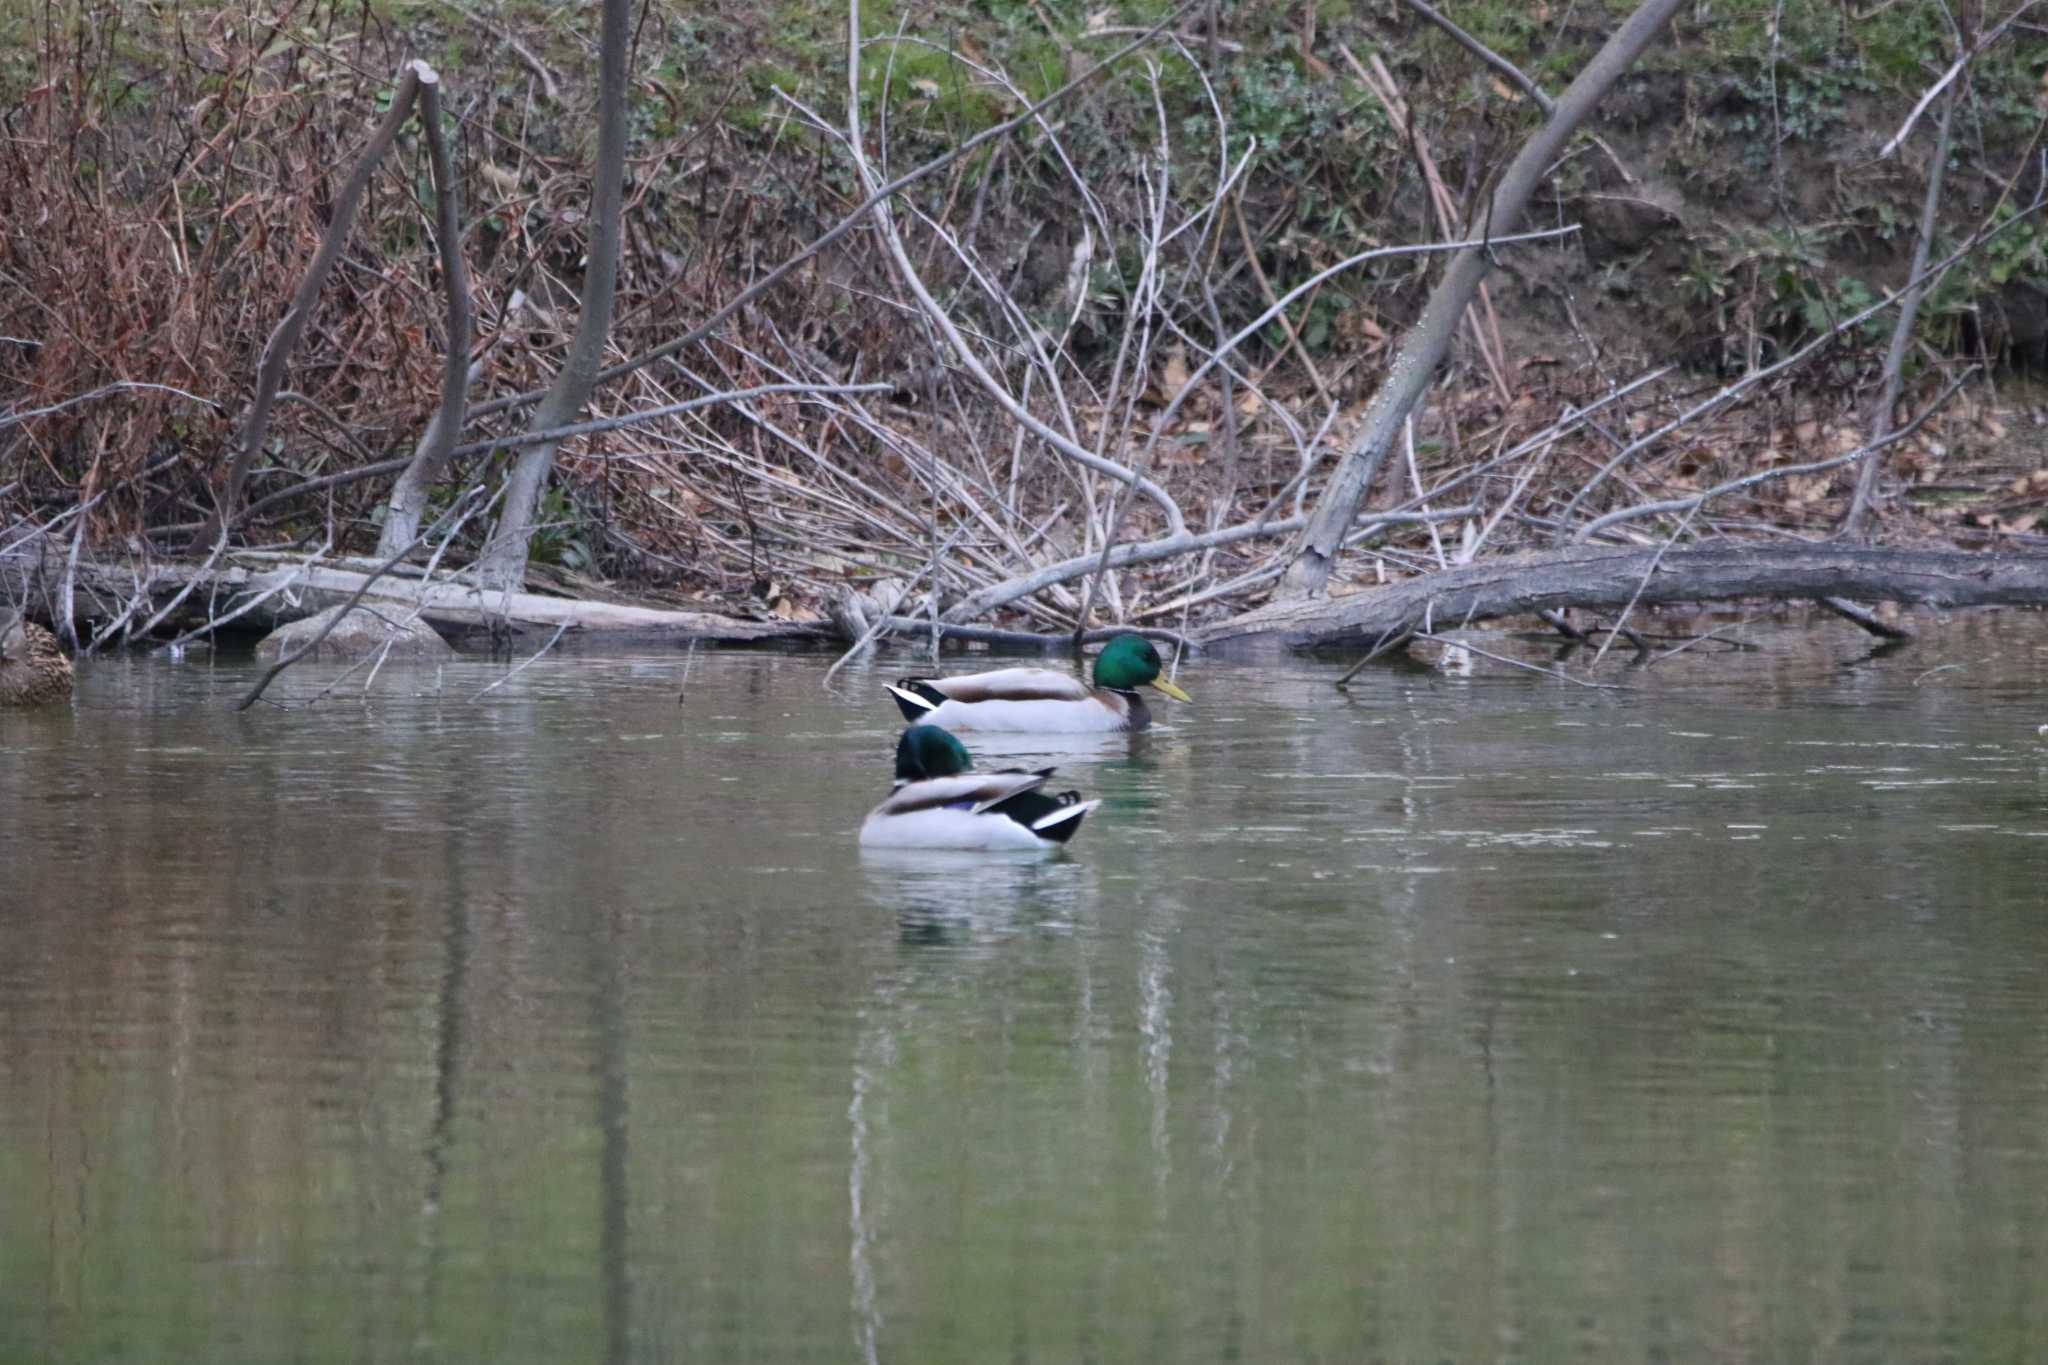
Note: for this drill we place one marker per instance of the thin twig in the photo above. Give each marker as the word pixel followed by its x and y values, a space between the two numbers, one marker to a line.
pixel 277 350
pixel 1487 55
pixel 1697 640
pixel 1864 618
pixel 1955 69
pixel 1649 572
pixel 255 693
pixel 1728 393
pixel 1386 644
pixel 214 623
pixel 220 546
pixel 632 419
pixel 854 218
pixel 522 665
pixel 436 447
pixel 1024 639
pixel 881 623
pixel 1693 501
pixel 14 418
pixel 1557 673
pixel 1902 326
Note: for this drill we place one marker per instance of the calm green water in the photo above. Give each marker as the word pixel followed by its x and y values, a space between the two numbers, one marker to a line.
pixel 1462 1018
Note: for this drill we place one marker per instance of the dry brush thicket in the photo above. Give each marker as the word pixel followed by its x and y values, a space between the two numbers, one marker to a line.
pixel 1074 349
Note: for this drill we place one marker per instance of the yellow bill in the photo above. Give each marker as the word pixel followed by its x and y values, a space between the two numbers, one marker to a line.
pixel 1170 690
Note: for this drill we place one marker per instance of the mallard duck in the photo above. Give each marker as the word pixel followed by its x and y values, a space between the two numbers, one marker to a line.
pixel 1043 699
pixel 32 669
pixel 938 803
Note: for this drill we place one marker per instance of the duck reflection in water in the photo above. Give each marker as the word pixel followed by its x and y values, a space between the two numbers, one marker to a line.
pixel 961 899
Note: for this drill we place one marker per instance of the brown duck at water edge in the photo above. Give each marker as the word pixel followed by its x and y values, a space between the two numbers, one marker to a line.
pixel 32 669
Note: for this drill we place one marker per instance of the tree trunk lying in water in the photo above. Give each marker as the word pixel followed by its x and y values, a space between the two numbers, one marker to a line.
pixel 1613 577
pixel 295 589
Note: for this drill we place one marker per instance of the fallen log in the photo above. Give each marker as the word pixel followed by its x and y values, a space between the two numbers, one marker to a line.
pixel 273 589
pixel 1614 577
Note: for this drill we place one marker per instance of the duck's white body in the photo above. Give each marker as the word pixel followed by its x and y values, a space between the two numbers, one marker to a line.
pixel 954 812
pixel 949 829
pixel 1031 717
pixel 1035 700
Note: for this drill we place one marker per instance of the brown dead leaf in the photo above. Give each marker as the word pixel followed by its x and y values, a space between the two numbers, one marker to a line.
pixel 788 610
pixel 1249 403
pixel 1810 489
pixel 1173 375
pixel 504 181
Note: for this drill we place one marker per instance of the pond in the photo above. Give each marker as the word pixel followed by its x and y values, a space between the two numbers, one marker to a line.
pixel 1465 1015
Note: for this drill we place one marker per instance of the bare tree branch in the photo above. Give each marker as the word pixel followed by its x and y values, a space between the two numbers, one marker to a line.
pixel 1487 55
pixel 1955 69
pixel 1693 501
pixel 523 664
pixel 502 565
pixel 854 218
pixel 1857 523
pixel 1601 576
pixel 458 513
pixel 1415 364
pixel 885 224
pixel 276 351
pixel 1864 619
pixel 1727 394
pixel 9 419
pixel 430 461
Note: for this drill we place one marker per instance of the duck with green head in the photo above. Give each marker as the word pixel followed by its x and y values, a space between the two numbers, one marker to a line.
pixel 32 669
pixel 1043 700
pixel 939 803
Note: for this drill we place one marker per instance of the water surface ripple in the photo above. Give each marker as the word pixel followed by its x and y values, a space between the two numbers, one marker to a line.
pixel 1463 1016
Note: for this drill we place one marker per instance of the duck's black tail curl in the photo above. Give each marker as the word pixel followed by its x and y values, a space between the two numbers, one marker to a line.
pixel 1037 811
pixel 915 698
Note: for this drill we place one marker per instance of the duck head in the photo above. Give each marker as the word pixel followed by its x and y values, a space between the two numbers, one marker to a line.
pixel 927 751
pixel 1128 663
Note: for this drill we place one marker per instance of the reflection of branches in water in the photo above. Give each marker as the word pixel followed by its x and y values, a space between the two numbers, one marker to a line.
pixel 612 1113
pixel 941 899
pixel 447 1071
pixel 1155 1026
pixel 872 1054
